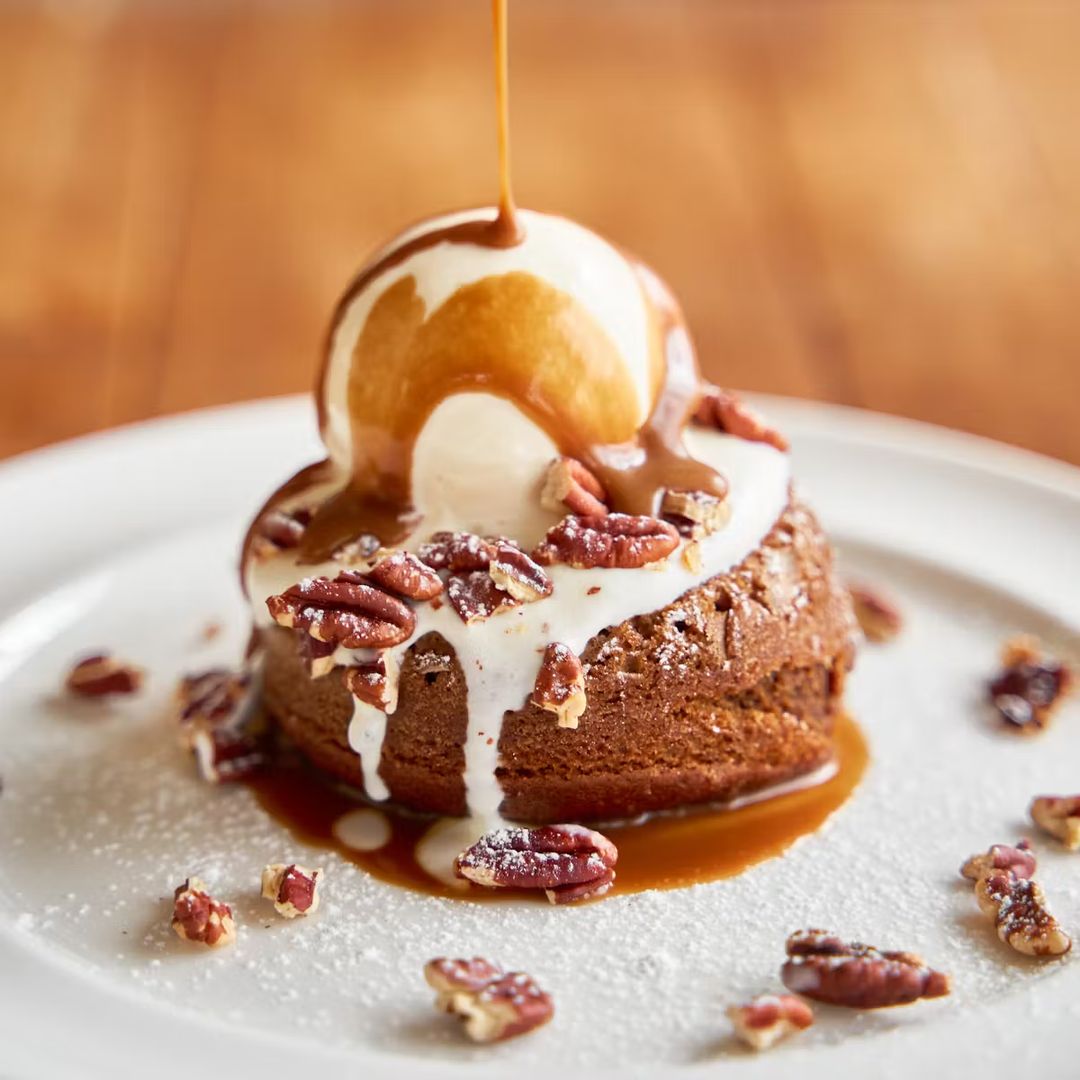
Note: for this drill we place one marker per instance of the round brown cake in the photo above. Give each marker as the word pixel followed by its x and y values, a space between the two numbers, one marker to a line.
pixel 731 689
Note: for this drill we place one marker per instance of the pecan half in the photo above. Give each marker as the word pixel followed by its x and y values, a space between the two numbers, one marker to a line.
pixel 1020 860
pixel 726 411
pixel 514 572
pixel 459 553
pixel 375 681
pixel 617 541
pixel 768 1018
pixel 475 596
pixel 560 685
pixel 345 611
pixel 102 675
pixel 878 617
pixel 695 513
pixel 569 862
pixel 568 485
pixel 198 917
pixel 404 574
pixel 858 976
pixel 492 1005
pixel 1059 815
pixel 1018 908
pixel 293 889
pixel 1028 687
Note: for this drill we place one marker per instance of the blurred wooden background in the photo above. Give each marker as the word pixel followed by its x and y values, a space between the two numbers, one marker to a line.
pixel 875 203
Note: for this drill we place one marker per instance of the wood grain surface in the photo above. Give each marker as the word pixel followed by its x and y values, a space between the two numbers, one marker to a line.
pixel 875 203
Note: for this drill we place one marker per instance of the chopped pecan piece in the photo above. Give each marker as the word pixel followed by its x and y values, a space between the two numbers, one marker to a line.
pixel 858 976
pixel 569 862
pixel 568 485
pixel 404 574
pixel 459 553
pixel 317 656
pixel 768 1018
pixel 1018 908
pixel 493 1006
pixel 726 411
pixel 280 530
pixel 691 557
pixel 345 611
pixel 221 725
pixel 216 697
pixel 560 685
pixel 198 917
pixel 1028 687
pixel 617 541
pixel 1020 860
pixel 475 596
pixel 695 513
pixel 293 889
pixel 223 755
pixel 375 681
pixel 514 572
pixel 1059 815
pixel 878 617
pixel 103 676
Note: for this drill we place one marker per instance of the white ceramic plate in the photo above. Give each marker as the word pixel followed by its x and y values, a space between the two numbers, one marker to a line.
pixel 127 541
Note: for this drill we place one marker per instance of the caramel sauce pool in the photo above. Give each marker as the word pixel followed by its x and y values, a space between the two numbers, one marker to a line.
pixel 668 851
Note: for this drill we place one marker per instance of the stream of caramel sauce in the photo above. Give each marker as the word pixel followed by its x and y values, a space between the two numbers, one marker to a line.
pixel 666 851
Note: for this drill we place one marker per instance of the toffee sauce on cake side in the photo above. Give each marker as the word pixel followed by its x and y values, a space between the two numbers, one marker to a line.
pixel 665 851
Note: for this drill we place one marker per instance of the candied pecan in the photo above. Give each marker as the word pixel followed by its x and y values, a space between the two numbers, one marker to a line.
pixel 1018 908
pixel 768 1018
pixel 617 541
pixel 375 681
pixel 1020 860
pixel 221 724
pixel 726 411
pixel 560 685
pixel 214 697
pixel 858 976
pixel 103 676
pixel 878 617
pixel 695 513
pixel 460 553
pixel 293 889
pixel 1028 687
pixel 1059 815
pixel 493 1006
pixel 475 596
pixel 280 530
pixel 317 656
pixel 569 862
pixel 404 574
pixel 568 485
pixel 223 755
pixel 198 917
pixel 514 572
pixel 345 611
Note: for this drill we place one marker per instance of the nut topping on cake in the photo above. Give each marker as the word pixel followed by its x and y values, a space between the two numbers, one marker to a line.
pixel 560 685
pixel 317 656
pixel 764 1021
pixel 492 1005
pixel 1018 908
pixel 346 611
pixel 569 862
pixel 103 676
pixel 280 530
pixel 568 485
pixel 459 553
pixel 514 572
pixel 198 917
pixel 727 412
pixel 293 889
pixel 404 574
pixel 695 513
pixel 878 617
pixel 375 681
pixel 616 541
pixel 475 596
pixel 1019 860
pixel 1059 815
pixel 1029 687
pixel 858 976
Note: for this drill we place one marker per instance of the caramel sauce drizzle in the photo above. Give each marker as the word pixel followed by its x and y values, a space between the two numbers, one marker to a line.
pixel 514 336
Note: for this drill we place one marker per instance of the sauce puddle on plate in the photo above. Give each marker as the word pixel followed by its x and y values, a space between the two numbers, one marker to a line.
pixel 666 851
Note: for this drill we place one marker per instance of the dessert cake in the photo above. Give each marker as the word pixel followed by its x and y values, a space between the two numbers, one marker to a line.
pixel 545 572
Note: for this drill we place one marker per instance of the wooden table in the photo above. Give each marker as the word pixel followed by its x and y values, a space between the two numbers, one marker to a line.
pixel 875 203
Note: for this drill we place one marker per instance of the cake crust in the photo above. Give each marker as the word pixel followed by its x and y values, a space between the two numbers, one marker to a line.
pixel 732 688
